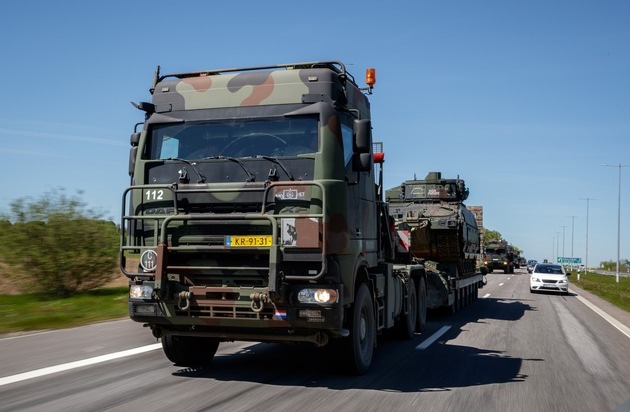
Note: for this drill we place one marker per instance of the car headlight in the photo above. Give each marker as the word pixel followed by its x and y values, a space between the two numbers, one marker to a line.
pixel 317 296
pixel 140 292
pixel 535 279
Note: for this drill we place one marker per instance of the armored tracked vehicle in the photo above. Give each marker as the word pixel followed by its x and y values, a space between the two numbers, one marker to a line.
pixel 438 228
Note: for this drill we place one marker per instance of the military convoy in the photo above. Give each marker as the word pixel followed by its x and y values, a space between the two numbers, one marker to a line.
pixel 499 254
pixel 256 211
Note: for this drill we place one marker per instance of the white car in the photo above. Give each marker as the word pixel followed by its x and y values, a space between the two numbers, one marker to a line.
pixel 549 277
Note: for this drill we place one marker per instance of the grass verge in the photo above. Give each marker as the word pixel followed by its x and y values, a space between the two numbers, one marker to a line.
pixel 35 312
pixel 20 313
pixel 606 287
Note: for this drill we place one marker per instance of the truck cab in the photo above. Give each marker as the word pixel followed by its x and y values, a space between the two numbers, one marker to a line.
pixel 253 213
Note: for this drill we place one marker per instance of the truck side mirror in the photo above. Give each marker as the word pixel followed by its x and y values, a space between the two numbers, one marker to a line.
pixel 362 162
pixel 362 145
pixel 132 159
pixel 134 140
pixel 363 135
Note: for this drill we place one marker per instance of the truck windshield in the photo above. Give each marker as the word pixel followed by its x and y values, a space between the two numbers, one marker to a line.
pixel 195 140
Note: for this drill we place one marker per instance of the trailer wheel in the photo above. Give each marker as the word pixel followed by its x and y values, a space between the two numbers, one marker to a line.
pixel 189 350
pixel 407 322
pixel 421 320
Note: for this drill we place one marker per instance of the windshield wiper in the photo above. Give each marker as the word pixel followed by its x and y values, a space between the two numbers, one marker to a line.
pixel 250 177
pixel 183 174
pixel 279 163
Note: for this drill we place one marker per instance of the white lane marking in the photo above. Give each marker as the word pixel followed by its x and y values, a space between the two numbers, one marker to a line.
pixel 433 338
pixel 486 295
pixel 78 364
pixel 621 327
pixel 501 284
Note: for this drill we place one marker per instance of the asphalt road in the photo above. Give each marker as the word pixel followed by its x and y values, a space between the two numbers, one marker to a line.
pixel 509 351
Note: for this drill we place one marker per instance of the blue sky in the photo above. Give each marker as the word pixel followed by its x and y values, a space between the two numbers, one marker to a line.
pixel 524 100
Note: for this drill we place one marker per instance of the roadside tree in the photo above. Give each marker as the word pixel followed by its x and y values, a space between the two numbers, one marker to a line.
pixel 55 245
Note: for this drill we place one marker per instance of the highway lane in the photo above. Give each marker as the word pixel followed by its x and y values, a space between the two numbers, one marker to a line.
pixel 510 350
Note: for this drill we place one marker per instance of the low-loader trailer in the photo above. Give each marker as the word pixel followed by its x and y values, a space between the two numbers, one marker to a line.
pixel 256 213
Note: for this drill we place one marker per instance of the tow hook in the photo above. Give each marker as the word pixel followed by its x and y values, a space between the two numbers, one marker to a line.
pixel 181 296
pixel 258 301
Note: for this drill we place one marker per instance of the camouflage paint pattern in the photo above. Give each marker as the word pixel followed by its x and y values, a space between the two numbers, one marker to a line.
pixel 323 235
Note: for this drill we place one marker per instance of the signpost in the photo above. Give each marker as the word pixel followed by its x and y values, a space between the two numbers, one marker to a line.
pixel 569 260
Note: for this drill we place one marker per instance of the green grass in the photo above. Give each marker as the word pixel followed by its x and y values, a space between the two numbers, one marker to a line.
pixel 606 287
pixel 35 312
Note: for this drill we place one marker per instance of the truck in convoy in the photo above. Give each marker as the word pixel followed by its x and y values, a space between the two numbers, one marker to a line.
pixel 499 254
pixel 438 231
pixel 256 213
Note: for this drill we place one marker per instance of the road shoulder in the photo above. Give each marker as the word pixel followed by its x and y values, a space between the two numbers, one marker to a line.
pixel 616 312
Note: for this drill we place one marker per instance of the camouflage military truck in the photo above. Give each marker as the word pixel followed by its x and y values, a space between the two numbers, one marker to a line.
pixel 499 255
pixel 442 234
pixel 256 213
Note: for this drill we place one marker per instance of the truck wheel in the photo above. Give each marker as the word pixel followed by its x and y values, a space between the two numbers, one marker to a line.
pixel 421 320
pixel 189 350
pixel 353 354
pixel 356 351
pixel 407 322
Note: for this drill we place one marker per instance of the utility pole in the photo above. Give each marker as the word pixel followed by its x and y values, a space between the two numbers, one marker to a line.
pixel 572 226
pixel 619 165
pixel 588 199
pixel 563 227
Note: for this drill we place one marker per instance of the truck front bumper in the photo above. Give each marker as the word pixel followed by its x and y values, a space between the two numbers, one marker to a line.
pixel 239 319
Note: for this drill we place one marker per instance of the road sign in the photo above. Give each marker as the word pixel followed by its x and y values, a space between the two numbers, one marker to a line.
pixel 569 260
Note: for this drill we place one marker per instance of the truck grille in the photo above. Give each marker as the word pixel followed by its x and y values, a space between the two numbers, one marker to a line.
pixel 227 312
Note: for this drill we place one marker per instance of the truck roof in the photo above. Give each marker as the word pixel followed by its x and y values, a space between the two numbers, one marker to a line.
pixel 295 83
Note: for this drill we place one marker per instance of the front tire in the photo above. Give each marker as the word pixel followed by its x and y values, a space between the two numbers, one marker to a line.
pixel 354 353
pixel 189 350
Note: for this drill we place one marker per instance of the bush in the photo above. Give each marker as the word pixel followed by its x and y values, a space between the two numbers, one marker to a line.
pixel 57 246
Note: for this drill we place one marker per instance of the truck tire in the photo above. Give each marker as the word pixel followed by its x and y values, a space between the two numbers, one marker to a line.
pixel 406 326
pixel 421 319
pixel 354 353
pixel 189 350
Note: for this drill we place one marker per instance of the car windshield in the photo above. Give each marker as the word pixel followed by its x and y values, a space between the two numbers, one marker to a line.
pixel 551 269
pixel 275 137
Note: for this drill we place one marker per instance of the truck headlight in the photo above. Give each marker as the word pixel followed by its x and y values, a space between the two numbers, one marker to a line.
pixel 140 292
pixel 317 296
